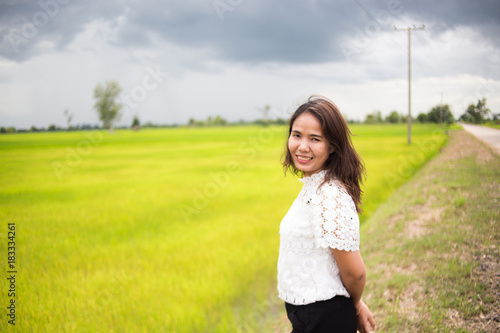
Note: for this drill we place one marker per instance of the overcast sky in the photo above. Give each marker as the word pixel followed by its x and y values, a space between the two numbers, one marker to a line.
pixel 179 59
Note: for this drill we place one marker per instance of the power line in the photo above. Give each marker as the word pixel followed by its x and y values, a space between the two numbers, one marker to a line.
pixel 409 29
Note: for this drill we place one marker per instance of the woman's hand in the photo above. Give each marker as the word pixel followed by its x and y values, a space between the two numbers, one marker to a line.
pixel 365 319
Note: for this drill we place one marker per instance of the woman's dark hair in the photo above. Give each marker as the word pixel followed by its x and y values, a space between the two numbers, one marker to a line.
pixel 344 163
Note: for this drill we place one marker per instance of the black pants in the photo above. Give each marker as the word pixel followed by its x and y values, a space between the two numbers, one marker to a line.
pixel 336 315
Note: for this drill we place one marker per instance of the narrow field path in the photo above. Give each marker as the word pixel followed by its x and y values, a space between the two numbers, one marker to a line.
pixel 490 136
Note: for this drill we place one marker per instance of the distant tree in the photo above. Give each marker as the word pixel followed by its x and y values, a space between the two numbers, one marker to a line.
pixel 370 119
pixel 10 130
pixel 422 118
pixel 404 118
pixel 68 116
pixel 476 113
pixel 393 117
pixel 441 113
pixel 52 128
pixel 219 121
pixel 136 123
pixel 33 129
pixel 373 118
pixel 210 121
pixel 265 114
pixel 106 104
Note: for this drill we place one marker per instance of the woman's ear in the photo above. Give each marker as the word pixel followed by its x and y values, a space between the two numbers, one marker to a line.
pixel 331 150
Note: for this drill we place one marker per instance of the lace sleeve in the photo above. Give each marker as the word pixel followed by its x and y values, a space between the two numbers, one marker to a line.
pixel 335 219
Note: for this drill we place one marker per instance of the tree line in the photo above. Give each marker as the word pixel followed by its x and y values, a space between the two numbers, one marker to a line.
pixel 108 108
pixel 440 114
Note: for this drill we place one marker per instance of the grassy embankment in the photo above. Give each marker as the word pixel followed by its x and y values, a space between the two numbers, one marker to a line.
pixel 162 230
pixel 432 250
pixel 492 124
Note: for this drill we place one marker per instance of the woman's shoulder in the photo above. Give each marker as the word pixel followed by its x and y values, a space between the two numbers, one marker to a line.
pixel 335 190
pixel 333 186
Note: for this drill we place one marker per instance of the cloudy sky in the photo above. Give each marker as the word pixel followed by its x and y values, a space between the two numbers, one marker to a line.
pixel 179 59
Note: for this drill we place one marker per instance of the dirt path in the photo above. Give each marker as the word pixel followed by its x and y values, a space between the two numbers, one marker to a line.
pixel 490 136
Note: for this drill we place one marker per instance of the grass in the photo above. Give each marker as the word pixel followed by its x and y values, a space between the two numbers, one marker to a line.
pixel 432 249
pixel 163 230
pixel 492 124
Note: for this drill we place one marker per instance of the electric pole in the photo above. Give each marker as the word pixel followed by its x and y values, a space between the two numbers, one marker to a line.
pixel 441 110
pixel 409 29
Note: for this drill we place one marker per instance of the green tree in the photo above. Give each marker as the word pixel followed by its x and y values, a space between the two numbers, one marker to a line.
pixel 476 113
pixel 210 121
pixel 136 123
pixel 219 121
pixel 52 128
pixel 441 113
pixel 393 117
pixel 373 118
pixel 422 118
pixel 106 103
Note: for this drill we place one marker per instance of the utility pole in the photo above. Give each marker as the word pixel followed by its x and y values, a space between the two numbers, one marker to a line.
pixel 441 110
pixel 409 29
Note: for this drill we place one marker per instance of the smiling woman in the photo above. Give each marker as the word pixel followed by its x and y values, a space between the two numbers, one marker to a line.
pixel 321 275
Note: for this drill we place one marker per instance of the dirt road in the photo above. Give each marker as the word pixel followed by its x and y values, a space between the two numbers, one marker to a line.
pixel 490 136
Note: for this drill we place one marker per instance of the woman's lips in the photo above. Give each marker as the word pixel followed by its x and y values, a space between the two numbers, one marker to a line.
pixel 304 159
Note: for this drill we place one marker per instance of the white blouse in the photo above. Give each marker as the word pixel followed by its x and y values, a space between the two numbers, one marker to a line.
pixel 319 219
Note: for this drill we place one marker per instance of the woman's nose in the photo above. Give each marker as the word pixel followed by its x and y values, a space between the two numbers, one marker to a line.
pixel 303 146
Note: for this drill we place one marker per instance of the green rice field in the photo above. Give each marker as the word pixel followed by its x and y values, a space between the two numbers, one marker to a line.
pixel 162 230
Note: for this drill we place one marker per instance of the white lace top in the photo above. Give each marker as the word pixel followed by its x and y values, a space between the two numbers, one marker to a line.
pixel 319 219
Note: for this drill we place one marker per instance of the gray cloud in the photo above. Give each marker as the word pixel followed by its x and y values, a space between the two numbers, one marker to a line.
pixel 25 25
pixel 295 31
pixel 254 53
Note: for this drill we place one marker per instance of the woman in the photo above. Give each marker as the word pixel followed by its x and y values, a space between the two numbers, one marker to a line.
pixel 321 274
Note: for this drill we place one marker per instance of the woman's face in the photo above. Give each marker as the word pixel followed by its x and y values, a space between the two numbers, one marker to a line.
pixel 307 145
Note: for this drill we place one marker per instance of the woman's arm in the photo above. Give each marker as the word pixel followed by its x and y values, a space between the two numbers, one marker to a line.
pixel 352 272
pixel 353 275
